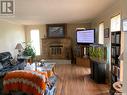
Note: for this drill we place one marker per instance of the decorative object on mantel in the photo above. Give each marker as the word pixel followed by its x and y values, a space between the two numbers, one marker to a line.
pixel 56 30
pixel 80 28
pixel 19 48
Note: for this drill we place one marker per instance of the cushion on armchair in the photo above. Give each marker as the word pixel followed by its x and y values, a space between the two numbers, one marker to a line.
pixel 5 56
pixel 5 59
pixel 7 63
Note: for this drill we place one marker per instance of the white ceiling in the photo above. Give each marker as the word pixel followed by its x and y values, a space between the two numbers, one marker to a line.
pixel 57 11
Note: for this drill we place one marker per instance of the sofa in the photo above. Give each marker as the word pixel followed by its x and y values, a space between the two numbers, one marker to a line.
pixel 28 82
pixel 7 63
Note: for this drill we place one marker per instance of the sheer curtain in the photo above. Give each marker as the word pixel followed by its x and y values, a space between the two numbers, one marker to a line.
pixel 35 38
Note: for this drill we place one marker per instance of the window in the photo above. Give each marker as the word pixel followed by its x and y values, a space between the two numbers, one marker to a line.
pixel 101 33
pixel 35 40
pixel 115 23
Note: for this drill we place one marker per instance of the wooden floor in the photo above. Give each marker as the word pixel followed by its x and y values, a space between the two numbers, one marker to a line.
pixel 75 80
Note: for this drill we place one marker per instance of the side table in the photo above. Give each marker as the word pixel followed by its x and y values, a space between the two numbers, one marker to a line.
pixel 27 59
pixel 118 87
pixel 46 67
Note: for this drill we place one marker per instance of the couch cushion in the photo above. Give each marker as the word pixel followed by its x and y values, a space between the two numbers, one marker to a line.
pixel 5 56
pixel 6 63
pixel 5 59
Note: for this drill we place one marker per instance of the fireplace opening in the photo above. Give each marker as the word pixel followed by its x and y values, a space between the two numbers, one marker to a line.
pixel 56 49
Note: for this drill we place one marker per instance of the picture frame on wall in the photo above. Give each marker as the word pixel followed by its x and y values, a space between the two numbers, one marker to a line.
pixel 56 30
pixel 106 33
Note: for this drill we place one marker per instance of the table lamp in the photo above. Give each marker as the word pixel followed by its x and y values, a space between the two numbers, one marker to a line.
pixel 19 48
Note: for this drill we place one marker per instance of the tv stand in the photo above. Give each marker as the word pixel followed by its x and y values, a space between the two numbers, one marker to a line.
pixel 82 50
pixel 83 61
pixel 82 57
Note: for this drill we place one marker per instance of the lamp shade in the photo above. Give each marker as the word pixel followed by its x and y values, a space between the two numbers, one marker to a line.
pixel 19 46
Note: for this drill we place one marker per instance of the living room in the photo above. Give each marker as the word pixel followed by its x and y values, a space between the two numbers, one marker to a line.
pixel 75 16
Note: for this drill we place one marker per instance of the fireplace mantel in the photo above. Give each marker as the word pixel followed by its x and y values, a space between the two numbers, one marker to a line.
pixel 56 48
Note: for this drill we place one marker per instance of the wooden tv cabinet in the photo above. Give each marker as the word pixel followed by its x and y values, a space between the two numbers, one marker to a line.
pixel 83 61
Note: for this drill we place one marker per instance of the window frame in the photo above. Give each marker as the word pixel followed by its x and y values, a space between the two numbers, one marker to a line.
pixel 99 32
pixel 38 41
pixel 120 22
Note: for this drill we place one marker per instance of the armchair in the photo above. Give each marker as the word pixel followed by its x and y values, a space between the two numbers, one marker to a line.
pixel 7 63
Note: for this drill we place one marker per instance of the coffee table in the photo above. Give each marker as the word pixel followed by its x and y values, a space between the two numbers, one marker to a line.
pixel 46 67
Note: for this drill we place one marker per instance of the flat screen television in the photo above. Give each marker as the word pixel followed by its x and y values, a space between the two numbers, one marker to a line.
pixel 85 36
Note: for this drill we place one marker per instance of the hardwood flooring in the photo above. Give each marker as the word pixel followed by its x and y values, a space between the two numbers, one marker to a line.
pixel 75 80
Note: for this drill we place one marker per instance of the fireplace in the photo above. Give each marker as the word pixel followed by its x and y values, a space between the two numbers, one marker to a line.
pixel 56 50
pixel 59 48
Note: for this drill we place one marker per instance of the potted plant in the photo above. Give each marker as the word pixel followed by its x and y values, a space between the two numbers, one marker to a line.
pixel 29 50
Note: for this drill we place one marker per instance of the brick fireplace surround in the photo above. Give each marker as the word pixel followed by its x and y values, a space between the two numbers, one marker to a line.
pixel 56 48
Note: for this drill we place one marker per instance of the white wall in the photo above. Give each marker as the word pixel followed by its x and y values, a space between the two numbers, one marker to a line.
pixel 10 35
pixel 124 16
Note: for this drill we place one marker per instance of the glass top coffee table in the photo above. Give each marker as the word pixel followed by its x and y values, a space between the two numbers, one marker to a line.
pixel 46 67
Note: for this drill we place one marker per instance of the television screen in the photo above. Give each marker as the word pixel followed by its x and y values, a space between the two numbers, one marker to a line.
pixel 85 36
